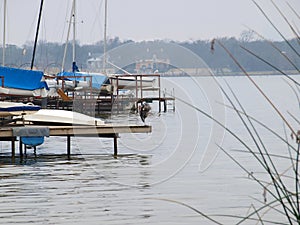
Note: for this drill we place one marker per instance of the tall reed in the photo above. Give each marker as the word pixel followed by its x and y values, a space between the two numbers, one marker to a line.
pixel 285 197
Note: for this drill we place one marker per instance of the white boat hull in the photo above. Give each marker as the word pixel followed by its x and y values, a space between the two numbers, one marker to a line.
pixel 55 116
pixel 132 83
pixel 68 85
pixel 17 109
pixel 20 92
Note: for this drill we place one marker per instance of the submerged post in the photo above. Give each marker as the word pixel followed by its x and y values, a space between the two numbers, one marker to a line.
pixel 165 105
pixel 69 146
pixel 21 148
pixel 115 145
pixel 13 147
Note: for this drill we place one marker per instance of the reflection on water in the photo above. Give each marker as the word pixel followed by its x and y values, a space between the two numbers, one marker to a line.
pixel 96 188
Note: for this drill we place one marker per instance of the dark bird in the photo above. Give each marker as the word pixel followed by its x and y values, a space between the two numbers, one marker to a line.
pixel 144 111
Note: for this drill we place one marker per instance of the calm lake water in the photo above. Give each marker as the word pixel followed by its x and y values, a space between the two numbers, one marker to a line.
pixel 180 161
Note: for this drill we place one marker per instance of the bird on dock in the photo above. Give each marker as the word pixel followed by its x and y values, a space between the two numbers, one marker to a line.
pixel 144 111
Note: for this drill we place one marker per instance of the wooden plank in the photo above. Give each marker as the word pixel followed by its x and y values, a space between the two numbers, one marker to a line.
pixel 80 130
pixel 63 95
pixel 155 99
pixel 86 130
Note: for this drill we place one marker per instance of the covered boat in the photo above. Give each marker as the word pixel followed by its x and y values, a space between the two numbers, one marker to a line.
pixel 82 79
pixel 76 81
pixel 16 109
pixel 22 82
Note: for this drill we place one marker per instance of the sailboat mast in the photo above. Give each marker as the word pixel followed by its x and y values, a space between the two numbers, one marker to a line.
pixel 105 36
pixel 37 34
pixel 67 41
pixel 4 33
pixel 74 29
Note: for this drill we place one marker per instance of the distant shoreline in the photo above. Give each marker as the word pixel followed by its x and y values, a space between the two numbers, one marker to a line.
pixel 236 74
pixel 259 73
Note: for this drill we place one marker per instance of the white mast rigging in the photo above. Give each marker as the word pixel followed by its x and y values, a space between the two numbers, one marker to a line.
pixel 4 33
pixel 71 21
pixel 105 37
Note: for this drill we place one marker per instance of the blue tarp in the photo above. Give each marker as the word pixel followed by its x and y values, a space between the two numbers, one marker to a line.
pixel 97 79
pixel 22 79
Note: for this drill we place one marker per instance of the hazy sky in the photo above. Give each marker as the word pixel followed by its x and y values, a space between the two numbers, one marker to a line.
pixel 145 19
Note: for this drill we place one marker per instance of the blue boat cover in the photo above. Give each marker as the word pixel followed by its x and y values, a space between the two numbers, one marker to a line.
pixel 97 79
pixel 20 108
pixel 22 79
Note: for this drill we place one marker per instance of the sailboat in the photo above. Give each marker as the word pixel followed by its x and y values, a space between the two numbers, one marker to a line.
pixel 126 81
pixel 74 80
pixel 18 82
pixel 21 82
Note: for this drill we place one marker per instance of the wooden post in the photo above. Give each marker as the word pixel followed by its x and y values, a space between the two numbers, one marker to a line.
pixel 141 83
pixel 13 147
pixel 159 95
pixel 117 95
pixel 116 145
pixel 21 148
pixel 159 105
pixel 165 105
pixel 69 146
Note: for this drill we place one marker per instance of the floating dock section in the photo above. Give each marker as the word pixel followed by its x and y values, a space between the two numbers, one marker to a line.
pixel 12 133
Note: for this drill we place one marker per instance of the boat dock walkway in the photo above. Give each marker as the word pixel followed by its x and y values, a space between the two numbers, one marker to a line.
pixel 104 131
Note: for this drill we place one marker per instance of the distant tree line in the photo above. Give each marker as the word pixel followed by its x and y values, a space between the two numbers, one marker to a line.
pixel 264 56
pixel 274 53
pixel 50 54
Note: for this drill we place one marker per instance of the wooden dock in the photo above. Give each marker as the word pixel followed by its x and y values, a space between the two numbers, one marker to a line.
pixel 163 100
pixel 104 131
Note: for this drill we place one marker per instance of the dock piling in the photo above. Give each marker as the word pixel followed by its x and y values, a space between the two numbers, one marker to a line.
pixel 116 145
pixel 21 148
pixel 69 146
pixel 13 147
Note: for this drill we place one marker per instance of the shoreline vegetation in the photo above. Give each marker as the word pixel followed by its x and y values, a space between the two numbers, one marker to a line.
pixel 234 74
pixel 49 55
pixel 259 73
